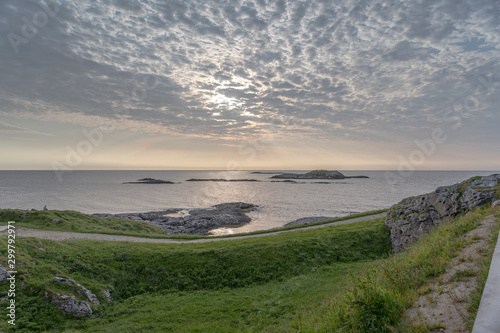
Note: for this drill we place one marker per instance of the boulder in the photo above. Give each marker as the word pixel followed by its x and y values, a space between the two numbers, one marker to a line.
pixel 68 304
pixel 496 204
pixel 82 290
pixel 415 216
pixel 4 274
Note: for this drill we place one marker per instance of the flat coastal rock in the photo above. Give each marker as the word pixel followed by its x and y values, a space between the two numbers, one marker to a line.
pixel 196 221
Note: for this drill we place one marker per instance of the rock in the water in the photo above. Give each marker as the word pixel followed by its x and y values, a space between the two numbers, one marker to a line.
pixel 221 180
pixel 68 304
pixel 288 181
pixel 150 181
pixel 415 216
pixel 316 174
pixel 4 274
pixel 306 220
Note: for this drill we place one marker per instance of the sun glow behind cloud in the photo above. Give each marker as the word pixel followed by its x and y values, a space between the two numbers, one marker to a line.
pixel 236 73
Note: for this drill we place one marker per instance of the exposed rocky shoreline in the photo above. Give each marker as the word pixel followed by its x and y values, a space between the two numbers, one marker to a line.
pixel 195 221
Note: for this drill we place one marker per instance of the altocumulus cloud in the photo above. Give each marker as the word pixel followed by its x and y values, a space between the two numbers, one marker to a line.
pixel 233 68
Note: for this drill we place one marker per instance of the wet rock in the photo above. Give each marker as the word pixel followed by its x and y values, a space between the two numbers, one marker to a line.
pixel 415 216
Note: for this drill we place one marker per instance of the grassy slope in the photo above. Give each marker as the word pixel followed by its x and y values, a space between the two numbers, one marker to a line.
pixel 283 283
pixel 202 271
pixel 77 222
pixel 376 301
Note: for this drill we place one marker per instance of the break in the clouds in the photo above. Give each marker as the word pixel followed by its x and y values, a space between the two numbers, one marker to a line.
pixel 380 73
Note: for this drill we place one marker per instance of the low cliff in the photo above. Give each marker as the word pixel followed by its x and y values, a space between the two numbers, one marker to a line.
pixel 415 216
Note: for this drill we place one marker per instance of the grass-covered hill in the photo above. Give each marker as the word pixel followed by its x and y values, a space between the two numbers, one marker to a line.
pixel 333 279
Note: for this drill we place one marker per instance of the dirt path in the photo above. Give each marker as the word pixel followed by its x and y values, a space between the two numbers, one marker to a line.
pixel 62 236
pixel 445 307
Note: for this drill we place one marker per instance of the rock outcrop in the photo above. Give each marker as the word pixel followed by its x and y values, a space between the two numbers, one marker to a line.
pixel 415 216
pixel 4 274
pixel 68 304
pixel 82 291
pixel 316 174
pixel 196 221
pixel 150 181
pixel 306 220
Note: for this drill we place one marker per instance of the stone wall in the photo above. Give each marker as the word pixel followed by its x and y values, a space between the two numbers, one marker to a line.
pixel 415 216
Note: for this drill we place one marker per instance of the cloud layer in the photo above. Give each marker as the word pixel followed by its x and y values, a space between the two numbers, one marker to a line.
pixel 240 70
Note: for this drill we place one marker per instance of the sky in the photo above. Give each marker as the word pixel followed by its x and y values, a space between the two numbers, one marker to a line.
pixel 259 84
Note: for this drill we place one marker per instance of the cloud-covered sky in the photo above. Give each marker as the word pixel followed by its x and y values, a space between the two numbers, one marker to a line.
pixel 284 84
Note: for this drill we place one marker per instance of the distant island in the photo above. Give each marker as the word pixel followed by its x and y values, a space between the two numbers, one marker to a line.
pixel 150 181
pixel 316 174
pixel 222 180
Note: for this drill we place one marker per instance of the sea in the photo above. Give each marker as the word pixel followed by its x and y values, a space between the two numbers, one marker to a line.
pixel 278 203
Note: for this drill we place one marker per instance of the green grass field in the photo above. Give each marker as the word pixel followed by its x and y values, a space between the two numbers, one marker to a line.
pixel 333 279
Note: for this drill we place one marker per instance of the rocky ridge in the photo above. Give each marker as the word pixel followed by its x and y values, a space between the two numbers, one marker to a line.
pixel 413 217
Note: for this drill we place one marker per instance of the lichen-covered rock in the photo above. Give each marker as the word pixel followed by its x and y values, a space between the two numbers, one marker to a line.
pixel 415 216
pixel 68 304
pixel 82 290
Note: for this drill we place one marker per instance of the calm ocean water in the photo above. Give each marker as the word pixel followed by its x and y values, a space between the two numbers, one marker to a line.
pixel 103 192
